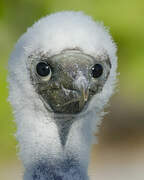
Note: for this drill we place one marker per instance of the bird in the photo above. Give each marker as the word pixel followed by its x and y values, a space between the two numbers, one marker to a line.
pixel 62 73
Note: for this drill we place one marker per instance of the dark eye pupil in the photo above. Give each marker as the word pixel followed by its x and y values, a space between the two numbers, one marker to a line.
pixel 43 69
pixel 97 70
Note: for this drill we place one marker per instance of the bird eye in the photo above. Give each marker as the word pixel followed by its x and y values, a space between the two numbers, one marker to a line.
pixel 97 70
pixel 43 69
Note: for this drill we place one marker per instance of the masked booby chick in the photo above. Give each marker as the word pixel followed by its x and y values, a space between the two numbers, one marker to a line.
pixel 61 74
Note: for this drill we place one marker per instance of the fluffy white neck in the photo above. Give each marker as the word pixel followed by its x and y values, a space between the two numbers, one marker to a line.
pixel 40 142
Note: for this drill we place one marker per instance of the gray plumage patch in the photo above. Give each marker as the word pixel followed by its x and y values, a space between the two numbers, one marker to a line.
pixel 64 125
pixel 68 169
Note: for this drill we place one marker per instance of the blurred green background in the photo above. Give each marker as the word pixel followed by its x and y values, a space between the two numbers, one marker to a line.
pixel 125 19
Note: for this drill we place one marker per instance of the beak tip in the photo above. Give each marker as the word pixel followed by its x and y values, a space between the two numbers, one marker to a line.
pixel 85 94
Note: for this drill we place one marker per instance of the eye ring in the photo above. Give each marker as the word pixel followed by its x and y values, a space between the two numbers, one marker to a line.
pixel 97 70
pixel 43 69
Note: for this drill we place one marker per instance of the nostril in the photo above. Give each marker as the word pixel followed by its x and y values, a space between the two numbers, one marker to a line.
pixel 69 90
pixel 69 87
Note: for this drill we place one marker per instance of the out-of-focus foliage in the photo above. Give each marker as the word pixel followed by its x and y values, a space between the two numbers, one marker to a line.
pixel 126 22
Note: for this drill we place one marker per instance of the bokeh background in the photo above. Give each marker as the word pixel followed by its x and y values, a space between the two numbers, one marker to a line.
pixel 120 152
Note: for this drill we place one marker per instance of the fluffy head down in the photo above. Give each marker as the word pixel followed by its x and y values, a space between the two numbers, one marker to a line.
pixel 37 132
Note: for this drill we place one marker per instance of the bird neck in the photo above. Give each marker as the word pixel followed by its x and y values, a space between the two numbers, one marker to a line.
pixel 55 150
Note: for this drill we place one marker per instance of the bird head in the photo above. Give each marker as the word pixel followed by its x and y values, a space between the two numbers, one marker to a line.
pixel 66 82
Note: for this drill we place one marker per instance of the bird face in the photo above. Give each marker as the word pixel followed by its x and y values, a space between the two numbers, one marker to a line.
pixel 66 82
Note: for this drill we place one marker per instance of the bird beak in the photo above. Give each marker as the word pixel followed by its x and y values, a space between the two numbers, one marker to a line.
pixel 84 97
pixel 85 94
pixel 82 84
